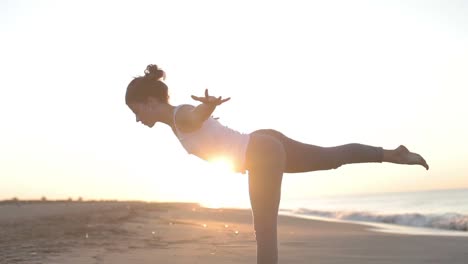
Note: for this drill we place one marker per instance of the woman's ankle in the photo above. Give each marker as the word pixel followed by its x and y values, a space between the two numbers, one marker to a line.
pixel 389 155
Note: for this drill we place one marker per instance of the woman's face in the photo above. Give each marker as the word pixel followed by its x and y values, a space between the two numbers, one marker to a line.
pixel 146 113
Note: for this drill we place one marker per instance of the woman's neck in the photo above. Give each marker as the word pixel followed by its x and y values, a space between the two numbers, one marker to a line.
pixel 167 115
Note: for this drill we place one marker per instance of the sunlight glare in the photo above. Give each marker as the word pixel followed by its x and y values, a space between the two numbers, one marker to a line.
pixel 225 189
pixel 222 164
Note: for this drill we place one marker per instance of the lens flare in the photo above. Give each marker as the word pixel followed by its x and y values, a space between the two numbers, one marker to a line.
pixel 222 164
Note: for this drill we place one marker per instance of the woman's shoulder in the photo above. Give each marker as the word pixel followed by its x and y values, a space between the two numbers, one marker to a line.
pixel 183 118
pixel 184 106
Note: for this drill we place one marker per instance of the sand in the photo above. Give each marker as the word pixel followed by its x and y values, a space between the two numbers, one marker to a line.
pixel 136 232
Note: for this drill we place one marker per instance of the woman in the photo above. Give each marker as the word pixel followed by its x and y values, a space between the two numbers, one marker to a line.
pixel 266 154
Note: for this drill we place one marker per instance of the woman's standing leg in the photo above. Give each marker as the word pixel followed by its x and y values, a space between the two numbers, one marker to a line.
pixel 265 161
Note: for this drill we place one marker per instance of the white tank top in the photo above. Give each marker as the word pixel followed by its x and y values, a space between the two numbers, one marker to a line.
pixel 214 140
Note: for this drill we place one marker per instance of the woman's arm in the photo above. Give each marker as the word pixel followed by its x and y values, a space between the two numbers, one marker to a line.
pixel 194 118
pixel 202 112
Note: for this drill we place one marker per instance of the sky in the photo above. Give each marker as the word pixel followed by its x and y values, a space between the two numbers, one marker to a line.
pixel 327 73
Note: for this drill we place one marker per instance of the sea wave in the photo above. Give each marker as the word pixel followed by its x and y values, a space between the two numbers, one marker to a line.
pixel 446 221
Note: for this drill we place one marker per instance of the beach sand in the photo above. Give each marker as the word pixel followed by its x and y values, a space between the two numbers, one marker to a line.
pixel 137 232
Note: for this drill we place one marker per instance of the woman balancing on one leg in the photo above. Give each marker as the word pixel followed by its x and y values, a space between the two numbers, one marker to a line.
pixel 266 154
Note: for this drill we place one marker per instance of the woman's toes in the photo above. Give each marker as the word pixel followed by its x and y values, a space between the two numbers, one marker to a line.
pixel 424 163
pixel 417 159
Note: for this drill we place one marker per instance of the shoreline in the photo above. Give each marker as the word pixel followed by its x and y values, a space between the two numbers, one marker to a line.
pixel 141 232
pixel 387 227
pixel 59 207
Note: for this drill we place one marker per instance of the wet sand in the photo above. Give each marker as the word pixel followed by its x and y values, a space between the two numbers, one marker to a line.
pixel 136 232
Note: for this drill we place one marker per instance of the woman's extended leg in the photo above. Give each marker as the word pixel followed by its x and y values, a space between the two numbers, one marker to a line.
pixel 265 160
pixel 301 157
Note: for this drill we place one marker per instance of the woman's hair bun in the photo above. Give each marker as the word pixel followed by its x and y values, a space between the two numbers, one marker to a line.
pixel 154 73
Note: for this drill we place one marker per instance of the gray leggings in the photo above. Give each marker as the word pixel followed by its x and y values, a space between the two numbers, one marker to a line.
pixel 269 155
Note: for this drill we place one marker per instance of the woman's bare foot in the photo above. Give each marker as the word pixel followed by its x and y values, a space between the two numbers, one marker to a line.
pixel 402 155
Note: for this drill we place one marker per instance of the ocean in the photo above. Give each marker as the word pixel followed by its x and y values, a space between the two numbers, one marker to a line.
pixel 437 212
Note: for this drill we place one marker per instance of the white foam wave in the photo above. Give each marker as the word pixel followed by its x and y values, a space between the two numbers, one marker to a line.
pixel 447 221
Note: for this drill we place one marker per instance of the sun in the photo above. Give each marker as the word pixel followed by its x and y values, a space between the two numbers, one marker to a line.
pixel 223 186
pixel 213 184
pixel 222 164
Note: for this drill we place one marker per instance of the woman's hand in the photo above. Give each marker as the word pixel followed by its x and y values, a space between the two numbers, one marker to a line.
pixel 210 100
